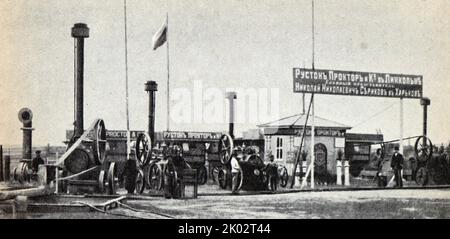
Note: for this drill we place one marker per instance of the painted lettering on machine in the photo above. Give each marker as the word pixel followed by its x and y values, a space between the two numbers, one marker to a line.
pixel 355 83
pixel 167 135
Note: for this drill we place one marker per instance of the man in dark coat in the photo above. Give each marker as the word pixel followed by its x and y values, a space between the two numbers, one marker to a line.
pixel 272 170
pixel 397 165
pixel 37 161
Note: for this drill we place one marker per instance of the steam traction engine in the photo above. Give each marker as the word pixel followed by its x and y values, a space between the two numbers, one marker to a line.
pixel 83 167
pixel 167 160
pixel 254 174
pixel 165 166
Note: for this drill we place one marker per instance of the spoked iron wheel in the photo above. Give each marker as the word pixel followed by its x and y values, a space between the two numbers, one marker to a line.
pixel 284 176
pixel 140 182
pixel 102 181
pixel 422 176
pixel 171 186
pixel 99 146
pixel 112 179
pixel 143 149
pixel 222 177
pixel 215 173
pixel 202 175
pixel 226 147
pixel 423 148
pixel 155 177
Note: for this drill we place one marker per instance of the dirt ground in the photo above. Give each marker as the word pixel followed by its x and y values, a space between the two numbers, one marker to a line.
pixel 430 203
pixel 389 203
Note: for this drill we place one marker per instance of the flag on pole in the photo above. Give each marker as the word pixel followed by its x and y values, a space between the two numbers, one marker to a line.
pixel 160 36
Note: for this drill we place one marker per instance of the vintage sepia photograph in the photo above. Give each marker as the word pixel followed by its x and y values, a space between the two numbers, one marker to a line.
pixel 237 109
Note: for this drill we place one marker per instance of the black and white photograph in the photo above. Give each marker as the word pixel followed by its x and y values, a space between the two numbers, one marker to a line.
pixel 236 109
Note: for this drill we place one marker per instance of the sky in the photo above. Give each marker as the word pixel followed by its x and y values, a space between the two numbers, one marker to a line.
pixel 224 44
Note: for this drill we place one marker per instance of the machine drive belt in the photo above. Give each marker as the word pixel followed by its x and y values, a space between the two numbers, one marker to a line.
pixel 77 143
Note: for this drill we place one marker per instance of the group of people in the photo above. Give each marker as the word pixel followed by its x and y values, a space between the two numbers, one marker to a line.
pixel 238 155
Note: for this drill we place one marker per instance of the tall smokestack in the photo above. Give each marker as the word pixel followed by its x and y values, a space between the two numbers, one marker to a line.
pixel 151 87
pixel 231 96
pixel 79 32
pixel 425 102
pixel 26 116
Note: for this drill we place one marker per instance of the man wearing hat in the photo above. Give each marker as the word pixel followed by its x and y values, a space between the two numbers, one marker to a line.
pixel 397 165
pixel 37 161
pixel 235 169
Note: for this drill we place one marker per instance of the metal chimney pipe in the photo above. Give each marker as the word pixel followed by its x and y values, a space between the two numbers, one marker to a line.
pixel 79 32
pixel 26 116
pixel 231 96
pixel 151 87
pixel 425 102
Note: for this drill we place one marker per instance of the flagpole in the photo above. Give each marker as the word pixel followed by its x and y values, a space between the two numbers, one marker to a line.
pixel 126 79
pixel 168 73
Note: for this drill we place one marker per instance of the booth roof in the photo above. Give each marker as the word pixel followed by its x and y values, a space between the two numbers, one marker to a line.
pixel 299 121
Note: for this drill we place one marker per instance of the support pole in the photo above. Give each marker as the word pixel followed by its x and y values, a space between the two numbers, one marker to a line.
pixel 126 79
pixel 312 98
pixel 56 180
pixel 168 73
pixel 312 144
pixel 401 125
pixel 303 102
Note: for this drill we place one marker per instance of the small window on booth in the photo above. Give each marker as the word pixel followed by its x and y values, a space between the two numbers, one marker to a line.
pixel 279 148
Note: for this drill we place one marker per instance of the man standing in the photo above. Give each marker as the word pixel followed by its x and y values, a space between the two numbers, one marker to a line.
pixel 272 169
pixel 235 169
pixel 397 165
pixel 378 162
pixel 37 161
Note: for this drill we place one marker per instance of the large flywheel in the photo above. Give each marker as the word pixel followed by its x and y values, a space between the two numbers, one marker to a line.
pixel 423 149
pixel 143 149
pixel 99 146
pixel 226 147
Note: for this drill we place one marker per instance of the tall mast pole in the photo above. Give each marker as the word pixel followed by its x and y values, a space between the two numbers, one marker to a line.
pixel 126 79
pixel 168 73
pixel 312 103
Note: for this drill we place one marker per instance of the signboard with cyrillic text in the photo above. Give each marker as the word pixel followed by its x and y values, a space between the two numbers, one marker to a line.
pixel 185 135
pixel 355 83
pixel 110 134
